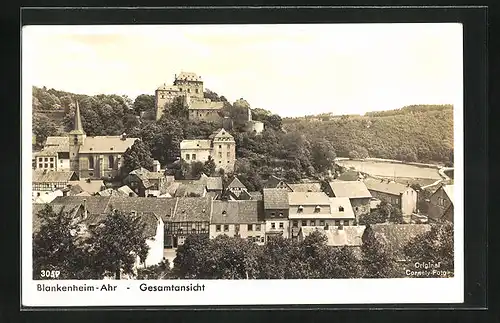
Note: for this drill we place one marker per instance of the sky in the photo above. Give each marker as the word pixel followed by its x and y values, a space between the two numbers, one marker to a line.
pixel 291 70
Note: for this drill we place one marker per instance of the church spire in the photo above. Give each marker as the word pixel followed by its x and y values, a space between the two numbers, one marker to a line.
pixel 77 124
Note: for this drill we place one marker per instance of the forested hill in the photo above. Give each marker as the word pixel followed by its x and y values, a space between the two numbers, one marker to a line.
pixel 413 133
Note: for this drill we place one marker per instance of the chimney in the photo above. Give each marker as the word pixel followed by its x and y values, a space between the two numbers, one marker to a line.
pixel 85 208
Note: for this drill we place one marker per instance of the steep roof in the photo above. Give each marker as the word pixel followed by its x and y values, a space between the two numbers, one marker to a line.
pixel 193 209
pixel 350 189
pixel 94 204
pixel 275 182
pixel 236 183
pixel 42 176
pixel 235 212
pixel 60 143
pixel 275 198
pixel 204 105
pixel 162 207
pixel 338 203
pixel 106 144
pixel 203 144
pixel 186 189
pixel 143 172
pixel 126 191
pixel 308 198
pixel 49 151
pixel 170 88
pixel 348 236
pixel 93 187
pixel 221 135
pixel 306 187
pixel 448 189
pixel 257 196
pixel 213 183
pixel 385 186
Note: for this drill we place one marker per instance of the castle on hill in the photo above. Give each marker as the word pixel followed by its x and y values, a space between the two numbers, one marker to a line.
pixel 189 86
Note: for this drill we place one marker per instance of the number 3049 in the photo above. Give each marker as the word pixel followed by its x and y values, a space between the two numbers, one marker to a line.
pixel 50 273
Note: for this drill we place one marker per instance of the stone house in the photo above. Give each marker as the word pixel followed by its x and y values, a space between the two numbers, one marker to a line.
pixel 276 211
pixel 441 204
pixel 356 191
pixel 399 195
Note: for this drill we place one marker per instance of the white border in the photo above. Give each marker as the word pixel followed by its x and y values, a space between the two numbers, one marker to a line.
pixel 242 292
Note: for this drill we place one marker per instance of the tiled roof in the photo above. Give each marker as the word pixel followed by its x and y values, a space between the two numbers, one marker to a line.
pixel 236 183
pixel 149 218
pixel 188 189
pixel 336 203
pixel 193 209
pixel 348 236
pixel 308 198
pixel 274 182
pixel 95 204
pixel 61 142
pixel 214 183
pixel 398 235
pixel 275 198
pixel 448 189
pixel 203 105
pixel 221 134
pixel 170 88
pixel 123 191
pixel 93 187
pixel 49 151
pixel 195 144
pixel 106 144
pixel 126 191
pixel 143 172
pixel 42 176
pixel 237 212
pixel 162 207
pixel 385 186
pixel 350 189
pixel 306 187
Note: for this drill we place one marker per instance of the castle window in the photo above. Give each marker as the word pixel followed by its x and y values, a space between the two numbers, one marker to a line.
pixel 162 96
pixel 91 162
pixel 40 165
pixel 220 154
pixel 220 146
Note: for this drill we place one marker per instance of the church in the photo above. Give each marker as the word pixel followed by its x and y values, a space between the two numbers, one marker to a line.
pixel 96 157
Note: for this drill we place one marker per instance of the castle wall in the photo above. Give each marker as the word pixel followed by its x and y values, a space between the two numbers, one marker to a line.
pixel 193 88
pixel 224 155
pixel 209 115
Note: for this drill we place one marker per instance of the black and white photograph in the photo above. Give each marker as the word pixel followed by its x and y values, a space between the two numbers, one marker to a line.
pixel 240 164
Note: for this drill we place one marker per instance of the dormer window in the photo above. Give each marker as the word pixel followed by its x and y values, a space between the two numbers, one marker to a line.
pixel 224 212
pixel 317 209
pixel 341 209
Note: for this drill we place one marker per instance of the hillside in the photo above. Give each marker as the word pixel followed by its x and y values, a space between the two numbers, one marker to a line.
pixel 413 133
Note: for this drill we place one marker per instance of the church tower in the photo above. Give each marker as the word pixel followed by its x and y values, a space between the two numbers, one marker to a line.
pixel 76 139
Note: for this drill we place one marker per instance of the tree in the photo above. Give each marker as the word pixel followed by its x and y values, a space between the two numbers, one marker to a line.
pixel 137 156
pixel 435 247
pixel 43 127
pixel 383 213
pixel 209 166
pixel 160 271
pixel 275 259
pixel 323 155
pixel 197 168
pixel 340 262
pixel 177 108
pixel 192 257
pixel 274 121
pixel 376 260
pixel 144 102
pixel 56 246
pixel 117 241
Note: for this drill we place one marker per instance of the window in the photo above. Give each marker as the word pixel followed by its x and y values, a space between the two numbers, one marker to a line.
pixel 341 209
pixel 91 162
pixel 346 222
pixel 111 161
pixel 304 223
pixel 51 165
pixel 273 213
pixel 257 227
pixel 250 227
pixel 313 223
pixel 189 90
pixel 162 96
pixel 228 146
pixel 228 161
pixel 356 208
pixel 317 209
pixel 397 202
pixel 273 225
pixel 196 90
pixel 51 159
pixel 250 239
pixel 91 174
pixel 187 156
pixel 337 222
pixel 220 146
pixel 46 159
pixel 321 222
pixel 40 165
pixel 237 227
pixel 220 162
pixel 300 209
pixel 281 225
pixel 46 165
pixel 281 214
pixel 38 194
pixel 220 154
pixel 295 224
pixel 261 239
pixel 226 227
pixel 228 154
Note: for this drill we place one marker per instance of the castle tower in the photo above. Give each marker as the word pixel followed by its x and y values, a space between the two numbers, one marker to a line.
pixel 76 139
